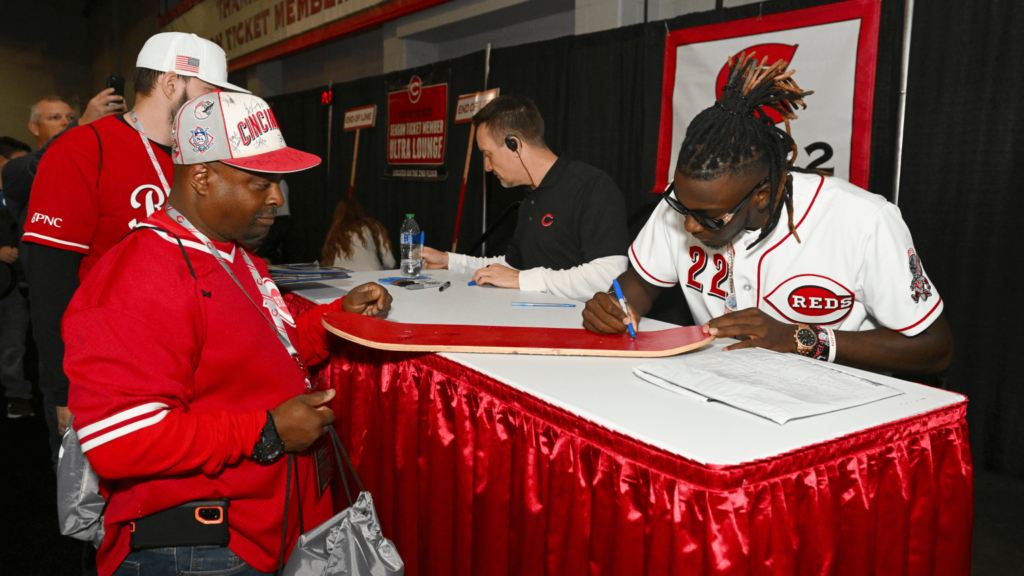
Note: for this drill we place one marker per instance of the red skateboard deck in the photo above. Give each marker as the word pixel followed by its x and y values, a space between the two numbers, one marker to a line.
pixel 386 335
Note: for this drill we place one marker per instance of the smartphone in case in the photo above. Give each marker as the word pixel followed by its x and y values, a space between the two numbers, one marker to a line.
pixel 197 523
pixel 117 83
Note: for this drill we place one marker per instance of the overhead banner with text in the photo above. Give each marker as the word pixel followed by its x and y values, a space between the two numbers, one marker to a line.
pixel 252 31
pixel 833 49
pixel 417 126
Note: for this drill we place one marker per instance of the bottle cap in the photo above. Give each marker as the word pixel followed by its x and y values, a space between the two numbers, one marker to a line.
pixel 408 215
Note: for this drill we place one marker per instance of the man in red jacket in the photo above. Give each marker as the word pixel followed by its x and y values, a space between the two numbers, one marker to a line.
pixel 188 378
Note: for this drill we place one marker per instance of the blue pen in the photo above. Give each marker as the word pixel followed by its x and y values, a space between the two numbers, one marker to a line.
pixel 622 302
pixel 472 283
pixel 423 235
pixel 543 305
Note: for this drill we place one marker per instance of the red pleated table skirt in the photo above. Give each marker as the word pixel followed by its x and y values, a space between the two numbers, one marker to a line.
pixel 472 476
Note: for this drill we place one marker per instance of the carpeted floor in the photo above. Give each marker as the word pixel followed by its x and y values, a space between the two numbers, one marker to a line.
pixel 34 545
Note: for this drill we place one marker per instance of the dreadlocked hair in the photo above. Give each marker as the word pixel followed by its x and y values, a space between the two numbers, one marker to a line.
pixel 736 135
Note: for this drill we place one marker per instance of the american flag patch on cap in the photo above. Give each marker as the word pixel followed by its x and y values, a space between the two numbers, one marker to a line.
pixel 186 64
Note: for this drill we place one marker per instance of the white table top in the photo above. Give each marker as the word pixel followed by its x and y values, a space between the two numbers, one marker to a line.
pixel 605 391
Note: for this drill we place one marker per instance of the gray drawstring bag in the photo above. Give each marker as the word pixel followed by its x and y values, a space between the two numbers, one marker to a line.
pixel 80 505
pixel 350 543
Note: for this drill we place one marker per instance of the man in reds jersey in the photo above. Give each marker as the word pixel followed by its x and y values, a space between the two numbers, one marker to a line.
pixel 840 281
pixel 97 182
pixel 186 367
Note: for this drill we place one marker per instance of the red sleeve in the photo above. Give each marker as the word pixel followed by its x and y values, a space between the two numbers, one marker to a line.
pixel 314 339
pixel 133 336
pixel 63 208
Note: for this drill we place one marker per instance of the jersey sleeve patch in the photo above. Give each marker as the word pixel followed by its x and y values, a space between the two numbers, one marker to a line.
pixel 920 287
pixel 897 291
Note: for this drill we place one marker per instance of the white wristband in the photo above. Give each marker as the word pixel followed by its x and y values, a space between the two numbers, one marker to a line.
pixel 831 345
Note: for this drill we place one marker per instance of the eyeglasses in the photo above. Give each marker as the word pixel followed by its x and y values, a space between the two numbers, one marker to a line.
pixel 707 221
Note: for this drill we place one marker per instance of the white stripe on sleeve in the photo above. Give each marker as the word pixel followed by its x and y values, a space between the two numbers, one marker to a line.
pixel 120 417
pixel 100 440
pixel 65 242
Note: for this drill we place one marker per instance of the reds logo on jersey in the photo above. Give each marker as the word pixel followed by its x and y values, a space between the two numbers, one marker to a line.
pixel 154 201
pixel 811 299
pixel 273 301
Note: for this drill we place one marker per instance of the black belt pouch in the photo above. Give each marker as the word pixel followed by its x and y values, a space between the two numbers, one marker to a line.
pixel 197 523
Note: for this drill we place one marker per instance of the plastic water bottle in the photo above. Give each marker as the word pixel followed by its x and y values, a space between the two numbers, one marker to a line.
pixel 410 247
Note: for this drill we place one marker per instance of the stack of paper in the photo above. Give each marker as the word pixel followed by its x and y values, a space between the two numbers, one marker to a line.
pixel 312 272
pixel 779 387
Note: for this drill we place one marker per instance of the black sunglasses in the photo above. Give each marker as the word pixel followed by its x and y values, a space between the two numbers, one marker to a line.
pixel 707 221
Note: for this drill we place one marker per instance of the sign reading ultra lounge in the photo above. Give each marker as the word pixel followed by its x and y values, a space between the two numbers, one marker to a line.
pixel 251 31
pixel 417 125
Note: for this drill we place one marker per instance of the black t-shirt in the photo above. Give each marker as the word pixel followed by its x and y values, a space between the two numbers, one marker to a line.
pixel 576 215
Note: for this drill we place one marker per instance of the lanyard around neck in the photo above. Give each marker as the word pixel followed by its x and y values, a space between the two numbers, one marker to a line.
pixel 264 285
pixel 152 155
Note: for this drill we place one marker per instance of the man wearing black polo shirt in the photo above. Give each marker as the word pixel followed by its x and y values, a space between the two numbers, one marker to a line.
pixel 571 236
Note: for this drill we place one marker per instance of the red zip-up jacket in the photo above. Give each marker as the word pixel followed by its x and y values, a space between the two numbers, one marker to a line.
pixel 171 379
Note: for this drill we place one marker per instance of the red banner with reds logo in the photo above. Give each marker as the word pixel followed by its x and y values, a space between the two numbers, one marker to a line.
pixel 833 49
pixel 417 126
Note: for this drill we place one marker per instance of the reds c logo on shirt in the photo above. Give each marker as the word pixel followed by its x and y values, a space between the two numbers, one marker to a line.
pixel 274 303
pixel 811 299
pixel 547 220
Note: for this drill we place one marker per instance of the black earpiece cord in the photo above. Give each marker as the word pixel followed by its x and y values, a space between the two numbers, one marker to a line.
pixel 512 145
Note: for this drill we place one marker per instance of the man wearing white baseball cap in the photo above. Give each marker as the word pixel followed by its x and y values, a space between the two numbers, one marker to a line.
pixel 188 374
pixel 97 182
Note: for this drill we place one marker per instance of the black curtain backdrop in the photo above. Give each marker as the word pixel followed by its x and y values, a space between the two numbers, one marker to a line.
pixel 960 196
pixel 600 96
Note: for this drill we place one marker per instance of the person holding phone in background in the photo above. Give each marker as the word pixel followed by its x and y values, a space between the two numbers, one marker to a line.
pixel 48 118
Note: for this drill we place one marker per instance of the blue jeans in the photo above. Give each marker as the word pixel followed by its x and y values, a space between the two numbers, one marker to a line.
pixel 185 560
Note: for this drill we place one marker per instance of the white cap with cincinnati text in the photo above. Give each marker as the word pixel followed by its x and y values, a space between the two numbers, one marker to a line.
pixel 237 129
pixel 187 55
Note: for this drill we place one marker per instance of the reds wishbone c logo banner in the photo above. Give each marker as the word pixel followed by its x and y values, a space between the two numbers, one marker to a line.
pixel 833 49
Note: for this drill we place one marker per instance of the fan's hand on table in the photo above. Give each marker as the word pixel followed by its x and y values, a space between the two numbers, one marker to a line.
pixel 497 275
pixel 604 315
pixel 755 329
pixel 370 299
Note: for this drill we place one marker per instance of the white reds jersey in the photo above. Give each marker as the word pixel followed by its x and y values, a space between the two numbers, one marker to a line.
pixel 854 269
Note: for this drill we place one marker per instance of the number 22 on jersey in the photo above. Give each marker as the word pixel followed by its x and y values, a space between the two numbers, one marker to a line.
pixel 699 257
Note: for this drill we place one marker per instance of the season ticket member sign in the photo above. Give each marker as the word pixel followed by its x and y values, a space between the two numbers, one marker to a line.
pixel 417 125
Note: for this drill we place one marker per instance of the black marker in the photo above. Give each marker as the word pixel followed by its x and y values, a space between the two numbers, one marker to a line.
pixel 445 285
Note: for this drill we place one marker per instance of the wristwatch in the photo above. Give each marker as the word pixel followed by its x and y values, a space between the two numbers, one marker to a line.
pixel 270 446
pixel 806 339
